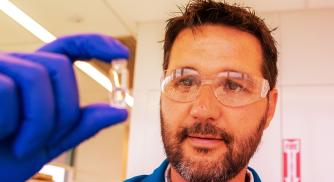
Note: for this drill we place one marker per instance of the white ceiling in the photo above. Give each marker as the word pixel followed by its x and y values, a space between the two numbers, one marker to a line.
pixel 114 17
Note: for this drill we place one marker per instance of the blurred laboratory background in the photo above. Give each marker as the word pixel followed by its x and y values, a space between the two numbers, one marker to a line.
pixel 303 123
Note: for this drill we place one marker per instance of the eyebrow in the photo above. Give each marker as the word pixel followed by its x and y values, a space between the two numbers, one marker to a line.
pixel 232 70
pixel 186 67
pixel 181 67
pixel 222 70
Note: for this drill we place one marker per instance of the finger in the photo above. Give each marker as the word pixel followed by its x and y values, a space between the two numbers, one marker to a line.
pixel 8 107
pixel 36 95
pixel 93 119
pixel 13 169
pixel 88 46
pixel 64 89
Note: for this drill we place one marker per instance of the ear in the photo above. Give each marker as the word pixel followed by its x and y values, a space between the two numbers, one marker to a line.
pixel 272 101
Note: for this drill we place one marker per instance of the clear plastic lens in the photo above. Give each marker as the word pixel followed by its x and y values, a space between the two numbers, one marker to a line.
pixel 119 79
pixel 230 88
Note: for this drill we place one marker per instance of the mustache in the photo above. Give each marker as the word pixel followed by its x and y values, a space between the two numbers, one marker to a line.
pixel 201 128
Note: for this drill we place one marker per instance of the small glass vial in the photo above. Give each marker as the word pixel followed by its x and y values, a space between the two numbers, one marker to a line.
pixel 119 76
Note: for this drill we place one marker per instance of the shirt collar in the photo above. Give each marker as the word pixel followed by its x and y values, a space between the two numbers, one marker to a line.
pixel 167 173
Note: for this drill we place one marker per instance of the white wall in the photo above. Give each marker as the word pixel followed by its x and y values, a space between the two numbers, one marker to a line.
pixel 145 149
pixel 306 97
pixel 308 88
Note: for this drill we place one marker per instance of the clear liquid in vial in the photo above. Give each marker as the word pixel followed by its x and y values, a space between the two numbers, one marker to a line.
pixel 119 80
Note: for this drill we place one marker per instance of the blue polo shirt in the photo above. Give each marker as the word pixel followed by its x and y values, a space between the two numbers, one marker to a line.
pixel 158 175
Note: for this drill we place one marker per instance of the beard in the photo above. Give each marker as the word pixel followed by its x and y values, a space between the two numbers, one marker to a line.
pixel 225 166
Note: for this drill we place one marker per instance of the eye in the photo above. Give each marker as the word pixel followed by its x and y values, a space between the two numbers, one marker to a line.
pixel 188 82
pixel 233 86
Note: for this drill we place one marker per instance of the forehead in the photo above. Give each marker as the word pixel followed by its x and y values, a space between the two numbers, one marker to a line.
pixel 214 48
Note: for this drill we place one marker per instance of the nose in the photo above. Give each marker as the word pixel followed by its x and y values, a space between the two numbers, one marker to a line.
pixel 206 107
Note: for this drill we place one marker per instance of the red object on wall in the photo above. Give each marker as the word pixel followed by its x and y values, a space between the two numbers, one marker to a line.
pixel 291 160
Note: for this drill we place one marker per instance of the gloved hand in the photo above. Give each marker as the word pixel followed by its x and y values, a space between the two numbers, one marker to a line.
pixel 40 115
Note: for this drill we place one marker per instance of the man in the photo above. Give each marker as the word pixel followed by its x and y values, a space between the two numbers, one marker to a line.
pixel 218 95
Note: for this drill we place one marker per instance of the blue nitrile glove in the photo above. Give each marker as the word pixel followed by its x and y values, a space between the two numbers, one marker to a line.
pixel 40 115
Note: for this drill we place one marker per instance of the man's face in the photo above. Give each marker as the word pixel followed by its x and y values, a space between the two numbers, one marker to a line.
pixel 204 139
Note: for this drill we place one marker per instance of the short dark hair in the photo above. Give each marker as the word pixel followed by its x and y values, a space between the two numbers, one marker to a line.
pixel 203 12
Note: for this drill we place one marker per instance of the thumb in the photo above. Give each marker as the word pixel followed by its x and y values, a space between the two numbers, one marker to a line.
pixel 93 119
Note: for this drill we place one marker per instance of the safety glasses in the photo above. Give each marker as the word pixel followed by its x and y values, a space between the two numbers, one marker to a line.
pixel 230 88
